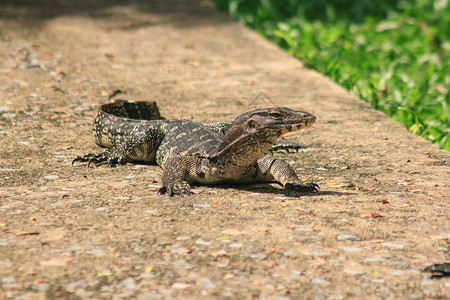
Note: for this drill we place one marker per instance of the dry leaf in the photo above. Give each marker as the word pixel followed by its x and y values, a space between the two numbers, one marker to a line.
pixel 352 186
pixel 39 281
pixel 53 263
pixel 27 233
pixel 194 63
pixel 375 215
pixel 377 241
pixel 232 231
pixel 185 250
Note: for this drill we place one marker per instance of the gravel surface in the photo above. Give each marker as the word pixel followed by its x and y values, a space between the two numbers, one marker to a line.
pixel 381 217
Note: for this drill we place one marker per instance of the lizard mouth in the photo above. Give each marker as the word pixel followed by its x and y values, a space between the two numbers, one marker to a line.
pixel 307 122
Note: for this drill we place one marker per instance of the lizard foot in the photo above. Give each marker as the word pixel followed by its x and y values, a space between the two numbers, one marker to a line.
pixel 97 159
pixel 178 188
pixel 299 186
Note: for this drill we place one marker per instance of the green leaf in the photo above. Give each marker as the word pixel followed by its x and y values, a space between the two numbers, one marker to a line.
pixel 148 269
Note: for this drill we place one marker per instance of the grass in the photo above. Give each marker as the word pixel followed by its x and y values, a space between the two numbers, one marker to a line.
pixel 393 54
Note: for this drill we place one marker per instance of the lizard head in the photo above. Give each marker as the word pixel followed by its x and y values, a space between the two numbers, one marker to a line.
pixel 262 127
pixel 275 119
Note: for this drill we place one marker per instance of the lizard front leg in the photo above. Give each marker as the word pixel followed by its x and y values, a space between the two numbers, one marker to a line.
pixel 276 170
pixel 177 171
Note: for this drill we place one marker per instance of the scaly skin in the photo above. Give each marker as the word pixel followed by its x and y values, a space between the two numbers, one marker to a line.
pixel 194 153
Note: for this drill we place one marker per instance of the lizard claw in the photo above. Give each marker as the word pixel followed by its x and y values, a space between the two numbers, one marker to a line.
pixel 175 189
pixel 98 159
pixel 299 186
pixel 75 159
pixel 89 157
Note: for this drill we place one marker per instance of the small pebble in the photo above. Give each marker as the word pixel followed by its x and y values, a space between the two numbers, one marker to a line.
pixel 207 283
pixel 101 208
pixel 41 287
pixel 180 285
pixel 354 272
pixel 9 115
pixel 374 259
pixel 201 205
pixel 83 293
pixel 320 281
pixel 392 245
pixel 403 272
pixel 317 253
pixel 121 198
pixel 73 285
pixel 303 229
pixel 351 249
pixel 96 252
pixel 5 263
pixel 200 241
pixel 346 237
pixel 128 283
pixel 236 245
pixel 9 283
pixel 295 275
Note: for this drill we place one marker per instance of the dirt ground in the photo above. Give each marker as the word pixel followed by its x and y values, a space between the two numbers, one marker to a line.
pixel 381 217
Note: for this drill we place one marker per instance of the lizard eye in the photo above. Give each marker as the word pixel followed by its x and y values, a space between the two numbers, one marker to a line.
pixel 276 115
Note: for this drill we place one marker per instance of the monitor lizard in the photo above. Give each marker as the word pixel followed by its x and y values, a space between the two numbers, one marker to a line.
pixel 194 153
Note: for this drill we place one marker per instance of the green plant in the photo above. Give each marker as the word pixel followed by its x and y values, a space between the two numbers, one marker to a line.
pixel 393 54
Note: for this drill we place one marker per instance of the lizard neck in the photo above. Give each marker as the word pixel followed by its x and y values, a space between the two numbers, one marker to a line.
pixel 243 149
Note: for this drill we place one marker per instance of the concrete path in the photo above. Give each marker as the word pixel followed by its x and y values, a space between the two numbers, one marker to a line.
pixel 381 217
